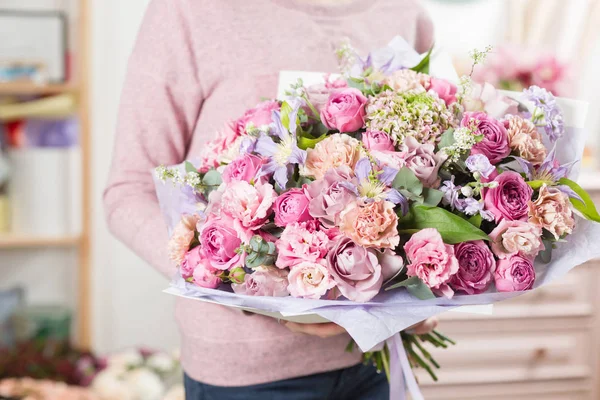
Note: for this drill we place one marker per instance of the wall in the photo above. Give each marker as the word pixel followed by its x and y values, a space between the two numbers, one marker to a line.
pixel 128 306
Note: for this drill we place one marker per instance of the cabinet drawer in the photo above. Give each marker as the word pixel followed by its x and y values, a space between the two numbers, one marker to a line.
pixel 514 357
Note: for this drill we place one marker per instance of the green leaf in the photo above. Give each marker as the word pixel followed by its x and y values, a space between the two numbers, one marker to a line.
pixel 535 185
pixel 309 143
pixel 447 139
pixel 453 228
pixel 476 220
pixel 416 287
pixel 286 109
pixel 423 66
pixel 587 208
pixel 432 197
pixel 189 167
pixel 407 180
pixel 211 181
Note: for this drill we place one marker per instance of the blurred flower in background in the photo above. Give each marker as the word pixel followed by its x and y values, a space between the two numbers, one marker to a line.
pixel 512 67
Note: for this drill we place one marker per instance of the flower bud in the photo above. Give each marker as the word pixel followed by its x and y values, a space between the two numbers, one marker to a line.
pixel 237 275
pixel 467 191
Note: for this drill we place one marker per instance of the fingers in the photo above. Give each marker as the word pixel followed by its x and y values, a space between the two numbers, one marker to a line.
pixel 424 327
pixel 320 330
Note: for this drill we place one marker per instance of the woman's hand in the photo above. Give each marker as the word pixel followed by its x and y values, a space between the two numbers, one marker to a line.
pixel 321 330
pixel 423 327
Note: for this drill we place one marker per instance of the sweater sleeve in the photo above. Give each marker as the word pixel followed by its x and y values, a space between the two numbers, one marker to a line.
pixel 425 32
pixel 160 103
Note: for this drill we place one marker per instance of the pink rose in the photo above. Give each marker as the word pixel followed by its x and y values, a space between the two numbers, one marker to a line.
pixel 516 237
pixel 514 274
pixel 371 224
pixel 290 207
pixel 476 267
pixel 249 205
pixel 219 241
pixel 552 211
pixel 260 115
pixel 495 138
pixel 300 242
pixel 310 280
pixel 182 237
pixel 345 110
pixel 336 150
pixel 392 159
pixel 423 161
pixel 205 275
pixel 329 197
pixel 510 199
pixel 190 262
pixel 244 168
pixel 446 90
pixel 264 281
pixel 431 260
pixel 377 140
pixel 356 270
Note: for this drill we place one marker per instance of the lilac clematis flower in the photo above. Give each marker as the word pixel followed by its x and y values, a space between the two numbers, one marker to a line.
pixel 473 206
pixel 398 54
pixel 451 193
pixel 283 153
pixel 375 185
pixel 549 172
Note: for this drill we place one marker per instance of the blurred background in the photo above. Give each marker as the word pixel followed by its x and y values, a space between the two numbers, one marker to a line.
pixel 66 286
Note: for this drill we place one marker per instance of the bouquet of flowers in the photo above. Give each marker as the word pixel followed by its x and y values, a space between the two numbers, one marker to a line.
pixel 378 198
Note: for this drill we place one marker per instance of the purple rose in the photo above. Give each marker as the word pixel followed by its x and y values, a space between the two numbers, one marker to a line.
pixel 290 207
pixel 476 267
pixel 423 161
pixel 509 200
pixel 514 274
pixel 494 144
pixel 377 140
pixel 358 271
pixel 264 281
pixel 345 110
pixel 329 196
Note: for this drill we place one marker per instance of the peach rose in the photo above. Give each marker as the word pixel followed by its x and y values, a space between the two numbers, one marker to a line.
pixel 335 151
pixel 182 236
pixel 371 224
pixel 516 237
pixel 525 140
pixel 552 212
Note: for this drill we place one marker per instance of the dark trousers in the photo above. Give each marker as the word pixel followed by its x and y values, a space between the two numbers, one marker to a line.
pixel 355 383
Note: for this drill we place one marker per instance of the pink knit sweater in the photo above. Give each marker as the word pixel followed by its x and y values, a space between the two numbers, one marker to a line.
pixel 196 65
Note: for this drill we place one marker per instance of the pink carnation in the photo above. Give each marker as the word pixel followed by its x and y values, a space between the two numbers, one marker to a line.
pixel 182 237
pixel 301 242
pixel 431 260
pixel 249 205
pixel 310 280
pixel 371 224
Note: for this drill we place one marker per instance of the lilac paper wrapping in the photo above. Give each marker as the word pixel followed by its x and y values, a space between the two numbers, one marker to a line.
pixel 390 312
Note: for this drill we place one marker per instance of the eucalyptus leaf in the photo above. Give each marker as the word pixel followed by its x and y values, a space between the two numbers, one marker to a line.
pixel 586 207
pixel 452 228
pixel 447 139
pixel 546 254
pixel 416 287
pixel 189 167
pixel 407 180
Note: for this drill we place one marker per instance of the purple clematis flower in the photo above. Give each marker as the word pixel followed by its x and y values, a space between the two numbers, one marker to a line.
pixel 481 164
pixel 549 172
pixel 375 185
pixel 284 153
pixel 398 54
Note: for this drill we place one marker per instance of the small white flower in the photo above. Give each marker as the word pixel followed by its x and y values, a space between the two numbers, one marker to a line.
pixel 467 191
pixel 145 384
pixel 161 362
